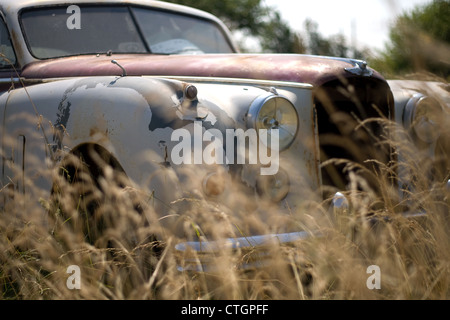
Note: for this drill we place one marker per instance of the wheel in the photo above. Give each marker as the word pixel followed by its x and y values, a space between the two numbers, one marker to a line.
pixel 90 197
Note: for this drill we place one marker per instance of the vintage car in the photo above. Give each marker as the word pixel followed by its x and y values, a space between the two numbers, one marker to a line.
pixel 159 93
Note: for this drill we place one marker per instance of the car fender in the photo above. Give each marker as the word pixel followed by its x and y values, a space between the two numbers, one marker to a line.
pixel 130 117
pixel 408 94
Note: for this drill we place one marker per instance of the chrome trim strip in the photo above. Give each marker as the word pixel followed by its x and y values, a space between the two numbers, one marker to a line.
pixel 9 80
pixel 263 83
pixel 242 242
pixel 269 83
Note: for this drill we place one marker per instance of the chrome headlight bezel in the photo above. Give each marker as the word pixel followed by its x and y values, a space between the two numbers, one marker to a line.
pixel 422 117
pixel 273 111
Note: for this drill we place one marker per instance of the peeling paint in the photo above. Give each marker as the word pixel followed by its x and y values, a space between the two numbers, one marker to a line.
pixel 62 115
pixel 63 112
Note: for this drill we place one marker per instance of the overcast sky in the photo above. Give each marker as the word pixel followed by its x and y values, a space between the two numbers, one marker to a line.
pixel 370 18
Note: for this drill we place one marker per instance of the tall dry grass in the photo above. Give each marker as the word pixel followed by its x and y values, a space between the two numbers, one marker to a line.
pixel 124 259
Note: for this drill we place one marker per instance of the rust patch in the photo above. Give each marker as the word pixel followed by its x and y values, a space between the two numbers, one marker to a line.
pixel 314 70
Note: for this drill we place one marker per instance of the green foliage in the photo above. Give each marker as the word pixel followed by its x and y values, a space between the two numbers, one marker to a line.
pixel 335 46
pixel 276 36
pixel 419 42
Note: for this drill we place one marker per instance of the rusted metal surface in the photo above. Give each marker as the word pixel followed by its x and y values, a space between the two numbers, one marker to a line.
pixel 313 70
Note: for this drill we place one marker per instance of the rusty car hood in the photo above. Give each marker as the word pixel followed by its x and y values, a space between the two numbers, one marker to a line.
pixel 314 70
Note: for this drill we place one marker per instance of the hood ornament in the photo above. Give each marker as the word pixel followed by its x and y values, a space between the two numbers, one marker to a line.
pixel 360 68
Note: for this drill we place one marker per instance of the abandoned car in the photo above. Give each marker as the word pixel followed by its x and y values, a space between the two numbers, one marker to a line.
pixel 160 93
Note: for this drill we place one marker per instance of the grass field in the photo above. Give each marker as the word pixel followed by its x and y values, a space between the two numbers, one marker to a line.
pixel 39 241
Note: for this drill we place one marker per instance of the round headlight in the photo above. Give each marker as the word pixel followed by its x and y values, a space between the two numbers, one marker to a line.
pixel 274 112
pixel 214 184
pixel 275 187
pixel 423 116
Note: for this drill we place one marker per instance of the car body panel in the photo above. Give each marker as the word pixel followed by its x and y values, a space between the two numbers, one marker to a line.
pixel 406 96
pixel 103 110
pixel 314 70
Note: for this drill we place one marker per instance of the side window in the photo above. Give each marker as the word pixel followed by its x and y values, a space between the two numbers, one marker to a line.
pixel 7 56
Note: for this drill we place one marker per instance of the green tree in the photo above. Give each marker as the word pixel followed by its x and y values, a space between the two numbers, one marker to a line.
pixel 335 45
pixel 319 45
pixel 419 42
pixel 276 36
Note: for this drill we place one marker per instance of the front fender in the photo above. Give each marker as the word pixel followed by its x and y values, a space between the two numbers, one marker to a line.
pixel 129 117
pixel 430 156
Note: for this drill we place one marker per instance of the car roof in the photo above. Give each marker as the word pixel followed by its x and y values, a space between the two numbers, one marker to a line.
pixel 17 5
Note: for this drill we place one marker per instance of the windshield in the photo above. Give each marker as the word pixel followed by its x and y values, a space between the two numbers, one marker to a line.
pixel 57 31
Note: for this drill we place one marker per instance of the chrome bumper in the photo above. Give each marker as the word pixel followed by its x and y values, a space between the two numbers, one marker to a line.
pixel 241 243
pixel 197 254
